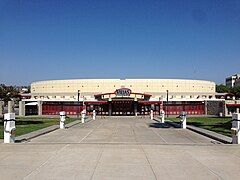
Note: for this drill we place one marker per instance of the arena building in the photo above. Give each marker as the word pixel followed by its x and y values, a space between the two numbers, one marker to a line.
pixel 114 97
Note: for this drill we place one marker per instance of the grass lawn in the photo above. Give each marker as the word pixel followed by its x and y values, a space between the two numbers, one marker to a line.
pixel 216 124
pixel 26 125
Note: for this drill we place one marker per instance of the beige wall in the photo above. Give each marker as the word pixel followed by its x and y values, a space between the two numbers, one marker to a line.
pixel 89 87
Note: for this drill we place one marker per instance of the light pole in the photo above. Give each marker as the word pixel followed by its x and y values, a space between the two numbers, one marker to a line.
pixel 167 104
pixel 78 104
pixel 83 104
pixel 159 105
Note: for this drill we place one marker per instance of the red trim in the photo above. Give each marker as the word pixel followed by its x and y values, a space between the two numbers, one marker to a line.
pixel 149 102
pixel 95 102
pixel 233 105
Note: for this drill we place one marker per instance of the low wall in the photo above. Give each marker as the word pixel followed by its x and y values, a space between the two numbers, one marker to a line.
pixel 215 107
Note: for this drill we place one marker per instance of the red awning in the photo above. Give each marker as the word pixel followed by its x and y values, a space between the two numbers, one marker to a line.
pixel 233 105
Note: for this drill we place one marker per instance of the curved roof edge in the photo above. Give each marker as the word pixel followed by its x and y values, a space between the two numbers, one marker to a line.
pixel 109 79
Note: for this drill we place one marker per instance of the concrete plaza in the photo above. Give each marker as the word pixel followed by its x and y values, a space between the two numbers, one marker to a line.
pixel 120 148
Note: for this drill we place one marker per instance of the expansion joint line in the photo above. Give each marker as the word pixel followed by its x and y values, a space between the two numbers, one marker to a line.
pixel 98 160
pixel 35 171
pixel 148 161
pixel 90 132
pixel 159 136
pixel 214 173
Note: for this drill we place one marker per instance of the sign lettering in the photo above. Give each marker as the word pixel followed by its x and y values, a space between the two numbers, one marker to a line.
pixel 123 92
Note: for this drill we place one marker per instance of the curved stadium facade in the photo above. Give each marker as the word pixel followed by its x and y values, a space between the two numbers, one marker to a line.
pixel 122 97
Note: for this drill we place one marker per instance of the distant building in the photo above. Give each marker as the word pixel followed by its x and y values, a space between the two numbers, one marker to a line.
pixel 121 97
pixel 233 80
pixel 128 97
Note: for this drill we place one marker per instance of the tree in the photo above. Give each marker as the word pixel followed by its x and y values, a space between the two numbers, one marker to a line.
pixel 7 92
pixel 236 91
pixel 222 88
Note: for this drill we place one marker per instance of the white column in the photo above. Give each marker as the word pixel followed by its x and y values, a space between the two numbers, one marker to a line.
pixel 10 106
pixel 235 128
pixel 39 108
pixel 183 117
pixel 62 119
pixel 21 108
pixel 9 128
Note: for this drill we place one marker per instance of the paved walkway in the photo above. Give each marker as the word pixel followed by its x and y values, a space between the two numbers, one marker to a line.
pixel 120 148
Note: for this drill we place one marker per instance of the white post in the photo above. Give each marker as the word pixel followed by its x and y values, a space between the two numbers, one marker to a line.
pixel 94 114
pixel 162 116
pixel 83 116
pixel 237 110
pixel 183 120
pixel 10 106
pixel 9 128
pixel 151 114
pixel 62 119
pixel 235 128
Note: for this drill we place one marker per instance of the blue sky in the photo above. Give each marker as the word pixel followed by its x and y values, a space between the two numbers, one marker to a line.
pixel 66 39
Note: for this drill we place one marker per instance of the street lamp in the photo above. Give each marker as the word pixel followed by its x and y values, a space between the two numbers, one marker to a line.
pixel 83 103
pixel 167 104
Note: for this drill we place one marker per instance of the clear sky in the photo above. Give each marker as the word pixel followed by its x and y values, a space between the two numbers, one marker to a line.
pixel 66 39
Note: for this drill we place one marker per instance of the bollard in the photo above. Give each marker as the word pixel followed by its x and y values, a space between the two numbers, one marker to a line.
pixel 94 114
pixel 151 114
pixel 83 113
pixel 9 128
pixel 183 119
pixel 62 119
pixel 162 116
pixel 235 128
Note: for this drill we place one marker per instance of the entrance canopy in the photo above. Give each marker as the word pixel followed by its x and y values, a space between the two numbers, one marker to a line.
pixel 31 104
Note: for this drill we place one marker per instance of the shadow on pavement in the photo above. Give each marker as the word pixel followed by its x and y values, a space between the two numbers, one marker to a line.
pixel 28 122
pixel 158 125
